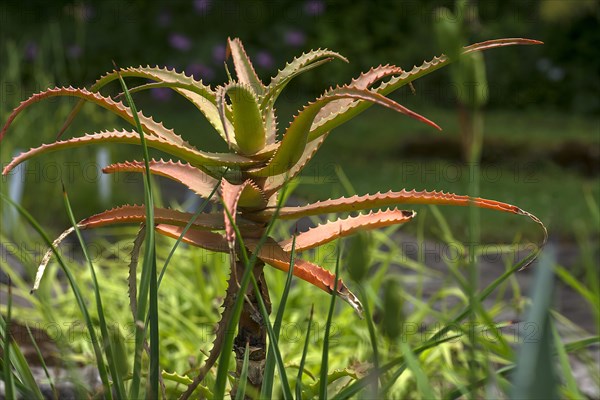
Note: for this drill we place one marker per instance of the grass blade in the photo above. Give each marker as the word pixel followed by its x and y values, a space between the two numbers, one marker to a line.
pixel 110 355
pixel 241 391
pixel 363 382
pixel 274 343
pixel 325 357
pixel 267 386
pixel 27 384
pixel 582 343
pixel 76 291
pixel 42 362
pixel 423 385
pixel 436 339
pixel 567 373
pixel 304 353
pixel 148 281
pixel 535 375
pixel 9 385
pixel 372 336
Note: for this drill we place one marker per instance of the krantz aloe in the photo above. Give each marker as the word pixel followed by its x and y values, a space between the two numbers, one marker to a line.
pixel 262 157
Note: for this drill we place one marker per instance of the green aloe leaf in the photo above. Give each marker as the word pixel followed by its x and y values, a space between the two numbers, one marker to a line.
pixel 274 183
pixel 243 67
pixel 297 66
pixel 248 125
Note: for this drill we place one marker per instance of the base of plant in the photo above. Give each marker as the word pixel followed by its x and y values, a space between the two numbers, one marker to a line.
pixel 252 330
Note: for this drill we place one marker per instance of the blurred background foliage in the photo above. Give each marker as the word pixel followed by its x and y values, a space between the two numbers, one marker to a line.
pixel 190 35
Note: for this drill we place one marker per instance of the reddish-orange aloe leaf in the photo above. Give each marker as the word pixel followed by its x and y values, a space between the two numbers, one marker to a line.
pixel 296 136
pixel 197 158
pixel 150 126
pixel 272 254
pixel 327 123
pixel 332 230
pixel 364 81
pixel 246 195
pixel 496 43
pixel 136 214
pixel 207 240
pixel 231 195
pixel 390 199
pixel 192 177
pixel 129 214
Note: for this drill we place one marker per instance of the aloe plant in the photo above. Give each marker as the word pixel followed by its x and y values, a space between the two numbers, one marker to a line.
pixel 262 157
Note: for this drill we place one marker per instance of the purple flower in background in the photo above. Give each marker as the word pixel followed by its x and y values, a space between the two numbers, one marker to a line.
pixel 31 51
pixel 74 51
pixel 202 6
pixel 164 19
pixel 200 71
pixel 314 7
pixel 218 54
pixel 180 42
pixel 264 59
pixel 81 11
pixel 87 12
pixel 161 94
pixel 294 38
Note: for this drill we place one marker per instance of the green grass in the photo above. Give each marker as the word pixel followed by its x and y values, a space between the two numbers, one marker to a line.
pixel 186 316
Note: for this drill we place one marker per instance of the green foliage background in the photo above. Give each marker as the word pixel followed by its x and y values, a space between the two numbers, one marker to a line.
pixel 562 74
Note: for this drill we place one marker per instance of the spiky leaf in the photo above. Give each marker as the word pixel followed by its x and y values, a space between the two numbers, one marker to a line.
pixel 196 180
pixel 273 183
pixel 195 157
pixel 249 129
pixel 207 240
pixel 395 83
pixel 390 199
pixel 180 82
pixel 297 66
pixel 136 214
pixel 294 141
pixel 149 126
pixel 243 67
pixel 329 231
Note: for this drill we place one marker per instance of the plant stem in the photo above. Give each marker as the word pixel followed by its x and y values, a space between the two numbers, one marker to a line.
pixel 251 329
